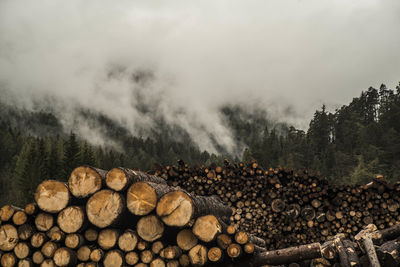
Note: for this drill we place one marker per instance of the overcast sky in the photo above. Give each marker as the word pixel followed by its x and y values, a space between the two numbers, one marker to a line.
pixel 282 55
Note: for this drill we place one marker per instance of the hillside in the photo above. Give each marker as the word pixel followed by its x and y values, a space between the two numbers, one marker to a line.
pixel 349 145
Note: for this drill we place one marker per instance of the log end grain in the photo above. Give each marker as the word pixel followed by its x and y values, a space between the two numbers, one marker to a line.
pixel 71 219
pixel 84 181
pixel 150 228
pixel 104 208
pixel 116 179
pixel 141 198
pixel 206 228
pixel 175 208
pixel 52 196
pixel 8 237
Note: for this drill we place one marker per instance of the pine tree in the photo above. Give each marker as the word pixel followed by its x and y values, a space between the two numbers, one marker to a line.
pixel 71 155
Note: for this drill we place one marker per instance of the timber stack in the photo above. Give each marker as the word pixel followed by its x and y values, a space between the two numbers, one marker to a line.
pixel 123 217
pixel 286 208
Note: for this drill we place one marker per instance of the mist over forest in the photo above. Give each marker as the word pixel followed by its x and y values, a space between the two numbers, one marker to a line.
pixel 298 84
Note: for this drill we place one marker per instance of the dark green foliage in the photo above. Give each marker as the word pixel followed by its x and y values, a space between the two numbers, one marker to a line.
pixel 350 145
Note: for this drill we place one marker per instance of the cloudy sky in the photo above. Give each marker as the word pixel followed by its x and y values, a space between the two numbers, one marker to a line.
pixel 287 56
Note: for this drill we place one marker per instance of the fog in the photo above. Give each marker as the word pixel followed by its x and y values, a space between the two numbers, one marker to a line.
pixel 184 59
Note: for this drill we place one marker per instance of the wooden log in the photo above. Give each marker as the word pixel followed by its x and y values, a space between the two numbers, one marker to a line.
pixel 49 248
pixel 25 263
pixel 156 247
pixel 288 255
pixel 158 262
pixel 278 205
pixel 52 196
pixel 234 250
pixel 83 253
pixel 44 221
pixel 343 256
pixel 142 245
pixel 84 181
pixel 6 213
pixel 389 253
pixel 96 255
pixel 19 217
pixel 71 219
pixel 31 208
pixel 171 252
pixel 65 257
pixel 120 179
pixel 242 238
pixel 186 240
pixel 142 197
pixel 131 258
pixel 8 237
pixel 37 257
pixel 128 240
pixel 150 228
pixel 184 260
pixel 351 252
pixel 108 238
pixel 48 263
pixel 105 208
pixel 91 235
pixel 38 239
pixel 224 241
pixel 8 260
pixel 146 256
pixel 25 232
pixel 198 255
pixel 178 208
pixel 206 228
pixel 22 250
pixel 114 258
pixel 365 241
pixel 215 254
pixel 74 241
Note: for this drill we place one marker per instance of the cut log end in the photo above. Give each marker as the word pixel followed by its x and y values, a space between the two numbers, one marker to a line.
pixel 175 208
pixel 206 228
pixel 71 219
pixel 113 258
pixel 128 240
pixel 8 237
pixel 186 239
pixel 198 255
pixel 104 208
pixel 84 181
pixel 150 228
pixel 116 179
pixel 141 198
pixel 52 196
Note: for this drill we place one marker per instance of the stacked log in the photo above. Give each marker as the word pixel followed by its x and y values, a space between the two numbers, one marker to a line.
pixel 125 217
pixel 287 208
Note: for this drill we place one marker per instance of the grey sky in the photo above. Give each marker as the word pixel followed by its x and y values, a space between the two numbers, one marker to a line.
pixel 270 53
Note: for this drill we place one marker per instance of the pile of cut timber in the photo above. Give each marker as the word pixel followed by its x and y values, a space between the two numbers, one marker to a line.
pixel 287 208
pixel 129 218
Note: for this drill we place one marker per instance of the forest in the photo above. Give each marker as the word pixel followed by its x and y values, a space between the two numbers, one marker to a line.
pixel 350 145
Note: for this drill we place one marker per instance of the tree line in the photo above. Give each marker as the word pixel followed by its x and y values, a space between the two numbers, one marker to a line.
pixel 350 145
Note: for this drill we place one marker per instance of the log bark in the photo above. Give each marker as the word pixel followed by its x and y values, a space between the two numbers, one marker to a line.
pixel 84 181
pixel 142 197
pixel 288 255
pixel 120 179
pixel 71 219
pixel 351 252
pixel 178 208
pixel 389 253
pixel 52 196
pixel 8 237
pixel 105 208
pixel 150 228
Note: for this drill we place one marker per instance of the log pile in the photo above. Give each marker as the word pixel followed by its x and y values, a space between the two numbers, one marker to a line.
pixel 129 218
pixel 287 208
